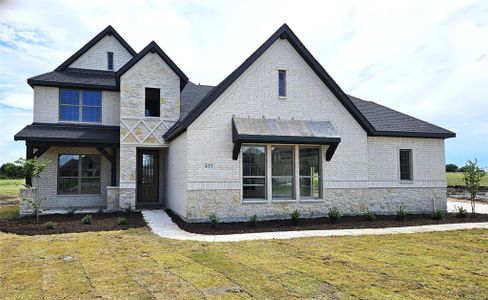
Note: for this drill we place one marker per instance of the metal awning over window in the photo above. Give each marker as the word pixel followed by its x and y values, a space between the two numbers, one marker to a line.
pixel 254 130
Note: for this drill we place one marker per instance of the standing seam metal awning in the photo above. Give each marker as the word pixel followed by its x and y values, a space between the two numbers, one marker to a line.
pixel 253 130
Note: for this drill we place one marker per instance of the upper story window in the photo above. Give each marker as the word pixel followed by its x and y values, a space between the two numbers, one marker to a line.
pixel 406 167
pixel 80 106
pixel 110 61
pixel 152 108
pixel 281 83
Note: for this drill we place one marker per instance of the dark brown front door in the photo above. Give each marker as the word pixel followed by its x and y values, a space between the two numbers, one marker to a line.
pixel 147 176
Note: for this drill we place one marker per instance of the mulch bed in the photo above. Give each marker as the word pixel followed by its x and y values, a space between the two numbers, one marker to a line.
pixel 346 222
pixel 71 223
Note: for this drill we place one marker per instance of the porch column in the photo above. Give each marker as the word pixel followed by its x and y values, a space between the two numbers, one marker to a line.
pixel 28 155
pixel 113 164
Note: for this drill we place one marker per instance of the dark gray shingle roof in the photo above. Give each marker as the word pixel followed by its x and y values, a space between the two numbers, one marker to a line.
pixel 76 78
pixel 50 132
pixel 390 121
pixel 191 95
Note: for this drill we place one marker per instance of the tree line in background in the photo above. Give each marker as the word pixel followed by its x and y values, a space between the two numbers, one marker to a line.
pixel 13 170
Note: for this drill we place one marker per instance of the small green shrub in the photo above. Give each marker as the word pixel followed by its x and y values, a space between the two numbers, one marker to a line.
pixel 213 219
pixel 128 209
pixel 370 216
pixel 253 220
pixel 334 214
pixel 295 215
pixel 121 221
pixel 50 225
pixel 87 219
pixel 461 212
pixel 401 213
pixel 438 215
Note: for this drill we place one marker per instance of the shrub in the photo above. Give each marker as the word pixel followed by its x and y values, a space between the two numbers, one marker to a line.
pixel 295 215
pixel 334 214
pixel 87 219
pixel 370 216
pixel 127 209
pixel 121 221
pixel 50 225
pixel 438 215
pixel 461 212
pixel 71 211
pixel 401 213
pixel 253 220
pixel 213 219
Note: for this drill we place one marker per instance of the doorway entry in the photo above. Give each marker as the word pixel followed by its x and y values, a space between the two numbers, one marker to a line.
pixel 147 176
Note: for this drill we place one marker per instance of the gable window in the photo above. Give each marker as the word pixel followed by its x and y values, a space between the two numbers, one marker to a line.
pixel 79 174
pixel 152 108
pixel 110 60
pixel 282 171
pixel 309 172
pixel 281 83
pixel 253 172
pixel 80 106
pixel 406 168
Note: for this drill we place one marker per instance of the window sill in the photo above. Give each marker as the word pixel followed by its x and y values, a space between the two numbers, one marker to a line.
pixel 80 122
pixel 254 201
pixel 77 195
pixel 311 200
pixel 406 182
pixel 282 97
pixel 283 200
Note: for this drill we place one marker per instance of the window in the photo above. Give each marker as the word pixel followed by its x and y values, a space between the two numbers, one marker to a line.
pixel 309 172
pixel 282 171
pixel 152 103
pixel 80 106
pixel 406 164
pixel 110 60
pixel 282 83
pixel 253 172
pixel 79 174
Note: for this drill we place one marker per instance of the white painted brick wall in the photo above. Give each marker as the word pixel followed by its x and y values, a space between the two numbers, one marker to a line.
pixel 48 182
pixel 46 106
pixel 176 175
pixel 96 57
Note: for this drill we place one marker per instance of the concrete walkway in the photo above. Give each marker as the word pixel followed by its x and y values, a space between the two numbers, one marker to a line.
pixel 161 224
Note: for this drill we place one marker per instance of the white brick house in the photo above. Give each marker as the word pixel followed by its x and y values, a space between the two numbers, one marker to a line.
pixel 128 129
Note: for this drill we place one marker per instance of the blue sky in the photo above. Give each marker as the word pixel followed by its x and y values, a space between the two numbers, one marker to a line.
pixel 428 59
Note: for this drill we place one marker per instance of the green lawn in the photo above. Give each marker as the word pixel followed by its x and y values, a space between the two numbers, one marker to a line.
pixel 135 264
pixel 9 211
pixel 458 179
pixel 10 187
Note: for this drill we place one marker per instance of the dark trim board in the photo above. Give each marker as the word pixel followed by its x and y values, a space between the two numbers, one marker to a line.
pixel 284 32
pixel 107 31
pixel 34 82
pixel 153 48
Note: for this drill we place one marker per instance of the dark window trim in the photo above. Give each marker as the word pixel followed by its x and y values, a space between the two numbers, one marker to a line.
pixel 293 178
pixel 284 84
pixel 410 160
pixel 79 176
pixel 110 61
pixel 80 113
pixel 157 104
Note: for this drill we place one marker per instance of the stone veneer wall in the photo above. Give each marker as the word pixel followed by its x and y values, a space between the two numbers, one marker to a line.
pixel 227 206
pixel 138 131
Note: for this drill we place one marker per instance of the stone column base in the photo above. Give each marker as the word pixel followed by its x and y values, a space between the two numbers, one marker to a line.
pixel 25 193
pixel 113 198
pixel 127 198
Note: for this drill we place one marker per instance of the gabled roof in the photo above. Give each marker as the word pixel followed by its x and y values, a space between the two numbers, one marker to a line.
pixel 107 31
pixel 284 32
pixel 154 48
pixel 76 78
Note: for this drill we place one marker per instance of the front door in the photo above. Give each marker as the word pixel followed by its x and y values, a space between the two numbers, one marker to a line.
pixel 147 176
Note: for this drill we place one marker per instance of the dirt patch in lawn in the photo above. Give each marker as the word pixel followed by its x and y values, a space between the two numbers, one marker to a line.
pixel 346 222
pixel 71 223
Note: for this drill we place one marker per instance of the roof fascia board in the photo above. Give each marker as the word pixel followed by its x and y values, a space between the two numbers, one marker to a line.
pixel 153 48
pixel 107 31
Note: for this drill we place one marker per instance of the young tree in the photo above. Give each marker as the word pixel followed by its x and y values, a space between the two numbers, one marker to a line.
pixel 34 167
pixel 472 177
